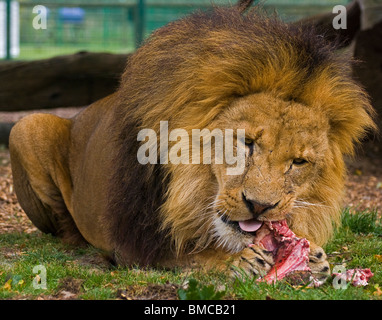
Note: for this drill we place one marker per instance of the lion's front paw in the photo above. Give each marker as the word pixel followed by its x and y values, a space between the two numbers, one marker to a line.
pixel 318 263
pixel 252 260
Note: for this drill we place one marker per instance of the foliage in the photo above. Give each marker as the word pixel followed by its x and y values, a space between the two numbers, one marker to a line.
pixel 196 291
pixel 362 222
pixel 82 273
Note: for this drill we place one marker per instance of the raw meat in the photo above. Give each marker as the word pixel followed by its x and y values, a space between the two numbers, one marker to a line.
pixel 290 253
pixel 358 277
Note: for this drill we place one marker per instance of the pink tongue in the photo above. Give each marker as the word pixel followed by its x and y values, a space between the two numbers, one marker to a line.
pixel 250 225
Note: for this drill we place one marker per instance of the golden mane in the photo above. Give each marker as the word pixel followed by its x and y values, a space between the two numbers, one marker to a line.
pixel 187 73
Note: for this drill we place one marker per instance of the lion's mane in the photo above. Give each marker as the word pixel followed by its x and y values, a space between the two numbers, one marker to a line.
pixel 187 73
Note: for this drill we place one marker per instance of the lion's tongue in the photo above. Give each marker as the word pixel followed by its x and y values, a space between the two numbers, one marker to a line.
pixel 250 225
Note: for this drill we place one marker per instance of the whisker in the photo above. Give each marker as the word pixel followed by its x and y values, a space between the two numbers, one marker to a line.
pixel 214 203
pixel 307 204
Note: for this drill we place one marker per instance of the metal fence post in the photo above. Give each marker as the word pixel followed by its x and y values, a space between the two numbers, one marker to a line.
pixel 8 31
pixel 139 22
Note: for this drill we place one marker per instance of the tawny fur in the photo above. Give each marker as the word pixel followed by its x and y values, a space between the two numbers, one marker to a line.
pixel 284 84
pixel 192 70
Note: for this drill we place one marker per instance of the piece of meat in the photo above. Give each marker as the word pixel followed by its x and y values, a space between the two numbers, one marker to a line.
pixel 290 253
pixel 357 277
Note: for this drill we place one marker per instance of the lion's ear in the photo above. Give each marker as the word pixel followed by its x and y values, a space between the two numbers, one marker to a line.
pixel 243 5
pixel 351 118
pixel 345 104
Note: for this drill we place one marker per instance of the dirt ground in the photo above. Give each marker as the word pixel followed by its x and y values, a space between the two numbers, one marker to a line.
pixel 363 186
pixel 12 217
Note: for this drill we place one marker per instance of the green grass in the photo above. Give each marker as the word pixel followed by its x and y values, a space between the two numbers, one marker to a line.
pixel 33 51
pixel 83 274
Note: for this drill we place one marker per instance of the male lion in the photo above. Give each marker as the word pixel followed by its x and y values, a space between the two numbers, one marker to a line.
pixel 285 85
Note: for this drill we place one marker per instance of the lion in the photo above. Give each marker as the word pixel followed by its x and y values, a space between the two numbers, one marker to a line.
pixel 290 90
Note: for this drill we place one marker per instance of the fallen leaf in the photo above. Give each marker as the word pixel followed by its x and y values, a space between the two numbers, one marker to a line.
pixel 378 257
pixel 358 172
pixel 65 295
pixel 8 285
pixel 378 291
pixel 108 285
pixel 37 279
pixel 122 294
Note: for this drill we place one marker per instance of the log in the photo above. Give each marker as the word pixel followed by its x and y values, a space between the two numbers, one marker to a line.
pixel 70 80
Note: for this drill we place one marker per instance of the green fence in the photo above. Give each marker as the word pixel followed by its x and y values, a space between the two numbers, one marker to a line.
pixel 108 25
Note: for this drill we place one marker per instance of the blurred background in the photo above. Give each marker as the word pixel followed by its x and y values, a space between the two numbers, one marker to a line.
pixel 116 26
pixel 59 56
pixel 69 53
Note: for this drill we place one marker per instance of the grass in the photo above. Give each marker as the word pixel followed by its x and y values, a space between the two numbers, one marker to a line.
pixel 33 52
pixel 82 273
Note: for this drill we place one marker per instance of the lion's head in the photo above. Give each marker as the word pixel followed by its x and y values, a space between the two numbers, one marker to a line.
pixel 287 152
pixel 284 84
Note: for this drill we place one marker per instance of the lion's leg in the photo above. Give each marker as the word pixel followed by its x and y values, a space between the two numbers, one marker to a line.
pixel 38 212
pixel 253 261
pixel 39 146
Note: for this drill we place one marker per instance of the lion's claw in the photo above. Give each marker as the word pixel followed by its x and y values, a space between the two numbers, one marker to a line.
pixel 252 260
pixel 319 264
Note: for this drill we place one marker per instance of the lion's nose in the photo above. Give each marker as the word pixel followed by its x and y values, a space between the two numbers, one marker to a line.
pixel 257 208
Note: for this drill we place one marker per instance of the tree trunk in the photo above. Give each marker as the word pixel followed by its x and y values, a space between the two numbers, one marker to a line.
pixel 71 80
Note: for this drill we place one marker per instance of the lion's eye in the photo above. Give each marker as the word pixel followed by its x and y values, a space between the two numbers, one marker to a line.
pixel 299 162
pixel 248 142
